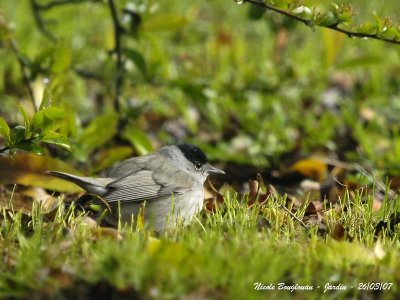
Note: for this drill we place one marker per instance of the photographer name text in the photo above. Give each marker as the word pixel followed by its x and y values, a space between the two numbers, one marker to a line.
pixel 282 286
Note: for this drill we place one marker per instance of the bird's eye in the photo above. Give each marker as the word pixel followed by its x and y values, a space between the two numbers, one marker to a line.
pixel 197 165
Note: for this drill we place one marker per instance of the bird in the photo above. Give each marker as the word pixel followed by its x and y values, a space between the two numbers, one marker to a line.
pixel 165 186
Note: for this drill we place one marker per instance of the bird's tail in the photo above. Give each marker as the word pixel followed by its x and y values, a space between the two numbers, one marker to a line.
pixel 96 186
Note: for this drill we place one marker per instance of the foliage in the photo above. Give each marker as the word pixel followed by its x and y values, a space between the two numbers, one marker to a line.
pixel 220 256
pixel 337 17
pixel 41 128
pixel 254 106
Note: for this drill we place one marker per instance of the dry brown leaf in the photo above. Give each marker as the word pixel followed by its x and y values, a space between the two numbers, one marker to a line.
pixel 210 205
pixel 89 222
pixel 394 182
pixel 62 278
pixel 338 232
pixel 293 201
pixel 255 192
pixel 314 207
pixel 214 192
pixel 28 169
pixel 21 199
pixel 212 197
pixel 314 219
pixel 112 233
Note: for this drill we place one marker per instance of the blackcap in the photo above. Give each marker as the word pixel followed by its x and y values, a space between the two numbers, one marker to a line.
pixel 166 185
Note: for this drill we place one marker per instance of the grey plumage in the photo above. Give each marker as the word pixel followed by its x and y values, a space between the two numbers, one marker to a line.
pixel 169 181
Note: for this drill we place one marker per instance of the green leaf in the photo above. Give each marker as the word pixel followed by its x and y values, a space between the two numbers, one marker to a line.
pixel 139 141
pixel 18 134
pixel 378 22
pixel 363 61
pixel 54 113
pixel 367 28
pixel 31 147
pixel 47 99
pixel 391 33
pixel 100 131
pixel 27 121
pixel 62 58
pixel 37 120
pixel 137 58
pixel 56 139
pixel 44 119
pixel 164 22
pixel 328 19
pixel 4 129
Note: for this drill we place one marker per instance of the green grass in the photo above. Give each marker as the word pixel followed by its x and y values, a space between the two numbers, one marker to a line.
pixel 219 256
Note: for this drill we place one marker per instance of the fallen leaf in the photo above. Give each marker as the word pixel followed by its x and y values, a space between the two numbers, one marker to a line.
pixel 293 201
pixel 394 182
pixel 338 232
pixel 28 169
pixel 255 192
pixel 109 232
pixel 210 205
pixel 312 168
pixel 89 222
pixel 62 278
pixel 314 207
pixel 21 199
pixel 212 197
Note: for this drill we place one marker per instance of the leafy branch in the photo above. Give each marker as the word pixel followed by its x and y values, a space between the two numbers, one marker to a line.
pixel 54 3
pixel 383 30
pixel 37 9
pixel 41 128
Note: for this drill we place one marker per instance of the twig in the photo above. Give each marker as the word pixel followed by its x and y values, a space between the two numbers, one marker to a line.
pixel 87 74
pixel 40 23
pixel 38 7
pixel 118 30
pixel 359 168
pixel 24 71
pixel 294 216
pixel 212 186
pixel 308 22
pixel 260 183
pixel 56 3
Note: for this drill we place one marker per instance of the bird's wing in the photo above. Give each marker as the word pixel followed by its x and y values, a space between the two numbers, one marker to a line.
pixel 129 166
pixel 149 185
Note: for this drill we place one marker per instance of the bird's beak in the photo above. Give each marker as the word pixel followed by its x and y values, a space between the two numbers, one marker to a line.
pixel 213 170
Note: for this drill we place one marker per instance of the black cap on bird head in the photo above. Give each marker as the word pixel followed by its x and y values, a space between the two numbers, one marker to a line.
pixel 193 153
